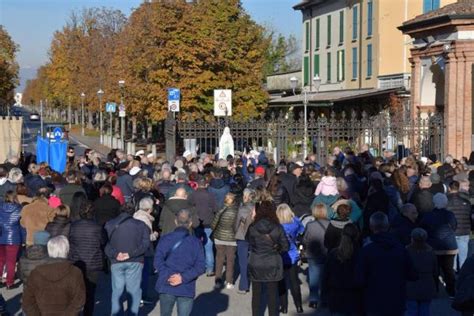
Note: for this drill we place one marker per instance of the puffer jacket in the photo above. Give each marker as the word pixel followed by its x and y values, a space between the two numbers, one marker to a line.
pixel 87 240
pixel 60 225
pixel 34 256
pixel 266 241
pixel 292 231
pixel 223 224
pixel 11 231
pixel 219 189
pixel 5 186
pixel 313 240
pixel 461 209
pixel 243 220
pixel 440 224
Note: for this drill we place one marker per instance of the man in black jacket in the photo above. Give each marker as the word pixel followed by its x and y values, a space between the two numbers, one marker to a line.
pixel 461 209
pixel 422 198
pixel 106 207
pixel 289 180
pixel 128 241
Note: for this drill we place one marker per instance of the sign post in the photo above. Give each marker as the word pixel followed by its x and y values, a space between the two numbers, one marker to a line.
pixel 111 108
pixel 57 134
pixel 222 107
pixel 174 96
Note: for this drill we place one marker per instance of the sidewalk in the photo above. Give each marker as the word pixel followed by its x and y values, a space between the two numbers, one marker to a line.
pixel 92 142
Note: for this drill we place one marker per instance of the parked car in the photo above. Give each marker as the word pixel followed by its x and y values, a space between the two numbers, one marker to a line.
pixel 34 116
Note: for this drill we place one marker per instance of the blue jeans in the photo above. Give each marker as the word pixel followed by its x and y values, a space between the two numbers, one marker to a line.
pixel 243 256
pixel 463 243
pixel 147 271
pixel 315 272
pixel 126 275
pixel 418 308
pixel 205 235
pixel 185 305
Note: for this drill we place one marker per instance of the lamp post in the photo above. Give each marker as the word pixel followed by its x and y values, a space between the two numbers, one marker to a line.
pixel 294 84
pixel 83 95
pixel 100 93
pixel 122 119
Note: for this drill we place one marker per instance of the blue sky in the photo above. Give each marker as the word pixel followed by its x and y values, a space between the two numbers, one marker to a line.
pixel 32 23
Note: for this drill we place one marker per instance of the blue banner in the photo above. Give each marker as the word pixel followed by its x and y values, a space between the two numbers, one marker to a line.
pixel 53 152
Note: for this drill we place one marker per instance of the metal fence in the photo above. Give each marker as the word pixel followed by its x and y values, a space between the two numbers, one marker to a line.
pixel 282 134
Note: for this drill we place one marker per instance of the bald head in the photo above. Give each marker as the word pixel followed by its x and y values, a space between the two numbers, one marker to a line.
pixel 425 182
pixel 181 193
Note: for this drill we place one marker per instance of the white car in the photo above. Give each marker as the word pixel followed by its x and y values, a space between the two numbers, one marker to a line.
pixel 34 116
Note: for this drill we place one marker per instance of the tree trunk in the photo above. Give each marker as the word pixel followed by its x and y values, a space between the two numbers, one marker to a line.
pixel 76 117
pixel 90 115
pixel 134 128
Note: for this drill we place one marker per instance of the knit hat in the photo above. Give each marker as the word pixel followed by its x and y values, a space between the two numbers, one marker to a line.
pixel 41 238
pixel 260 171
pixel 435 178
pixel 440 200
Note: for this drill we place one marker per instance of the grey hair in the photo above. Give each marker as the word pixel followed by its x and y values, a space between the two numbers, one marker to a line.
pixel 58 247
pixel 249 194
pixel 146 204
pixel 183 218
pixel 15 175
pixel 379 222
pixel 448 159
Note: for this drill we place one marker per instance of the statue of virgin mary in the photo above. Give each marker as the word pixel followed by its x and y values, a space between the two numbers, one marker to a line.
pixel 226 144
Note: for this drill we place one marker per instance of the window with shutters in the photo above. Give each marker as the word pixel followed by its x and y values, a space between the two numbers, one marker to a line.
pixel 306 71
pixel 369 60
pixel 341 65
pixel 355 19
pixel 370 17
pixel 354 63
pixel 329 30
pixel 317 33
pixel 329 67
pixel 341 27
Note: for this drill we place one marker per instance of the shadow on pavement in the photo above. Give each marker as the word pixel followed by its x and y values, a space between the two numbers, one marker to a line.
pixel 210 304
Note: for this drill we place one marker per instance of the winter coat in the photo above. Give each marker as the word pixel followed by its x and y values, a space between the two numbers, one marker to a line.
pixel 327 186
pixel 313 240
pixel 60 225
pixel 292 231
pixel 10 229
pixel 187 259
pixel 223 225
pixel 289 181
pixel 33 183
pixel 5 186
pixel 446 172
pixel 219 189
pixel 423 200
pixel 205 205
pixel 117 193
pixel 303 197
pixel 333 234
pixel 280 196
pixel 66 194
pixel 106 208
pixel 34 217
pixel 383 268
pixel 266 241
pixel 131 236
pixel 377 201
pixel 34 256
pixel 401 226
pixel 165 187
pixel 339 285
pixel 440 224
pixel 243 220
pixel 257 183
pixel 86 243
pixel 426 266
pixel 189 190
pixel 125 183
pixel 56 288
pixel 168 214
pixel 461 209
pixel 465 283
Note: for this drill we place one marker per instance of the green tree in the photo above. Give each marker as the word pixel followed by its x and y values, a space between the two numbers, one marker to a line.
pixel 8 67
pixel 282 54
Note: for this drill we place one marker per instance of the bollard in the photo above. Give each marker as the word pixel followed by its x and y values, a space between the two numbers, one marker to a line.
pixel 153 150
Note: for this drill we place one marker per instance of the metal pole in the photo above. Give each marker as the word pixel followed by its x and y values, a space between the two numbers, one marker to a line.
pixel 101 120
pixel 111 132
pixel 305 136
pixel 122 125
pixel 41 117
pixel 82 116
pixel 69 114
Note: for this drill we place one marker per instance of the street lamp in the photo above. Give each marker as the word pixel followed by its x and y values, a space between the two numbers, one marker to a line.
pixel 122 118
pixel 83 95
pixel 316 84
pixel 100 93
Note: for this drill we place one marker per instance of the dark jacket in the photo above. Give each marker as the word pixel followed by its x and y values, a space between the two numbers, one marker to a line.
pixel 426 265
pixel 179 185
pixel 219 189
pixel 33 183
pixel 66 194
pixel 465 285
pixel 205 205
pixel 223 224
pixel 401 227
pixel 440 224
pixel 131 236
pixel 303 196
pixel 60 225
pixel 423 200
pixel 266 241
pixel 86 242
pixel 333 234
pixel 339 285
pixel 289 180
pixel 125 183
pixel 168 214
pixel 280 196
pixel 10 229
pixel 383 268
pixel 243 220
pixel 106 208
pixel 313 240
pixel 446 172
pixel 60 280
pixel 461 209
pixel 165 187
pixel 257 183
pixel 187 259
pixel 5 187
pixel 34 256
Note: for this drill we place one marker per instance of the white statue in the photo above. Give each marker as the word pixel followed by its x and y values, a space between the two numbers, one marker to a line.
pixel 226 144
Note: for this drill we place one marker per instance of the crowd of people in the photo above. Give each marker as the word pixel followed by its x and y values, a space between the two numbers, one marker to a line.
pixel 374 235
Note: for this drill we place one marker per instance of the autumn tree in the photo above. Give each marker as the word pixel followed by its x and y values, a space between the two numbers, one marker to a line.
pixel 282 53
pixel 8 67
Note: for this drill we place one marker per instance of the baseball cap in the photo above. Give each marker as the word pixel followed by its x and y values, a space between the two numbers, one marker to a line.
pixel 260 170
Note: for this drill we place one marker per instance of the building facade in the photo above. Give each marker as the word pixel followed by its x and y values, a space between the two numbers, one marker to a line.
pixel 355 44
